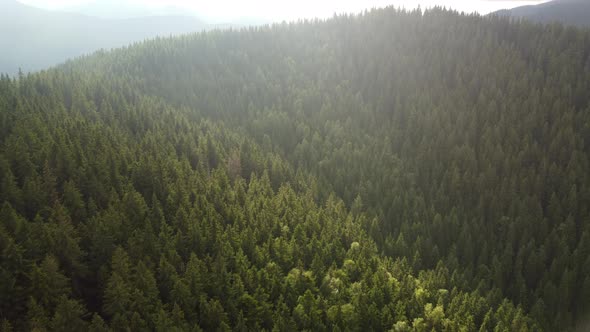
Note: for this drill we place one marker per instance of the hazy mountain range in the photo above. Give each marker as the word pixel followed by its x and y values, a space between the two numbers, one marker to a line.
pixel 571 12
pixel 34 39
pixel 122 9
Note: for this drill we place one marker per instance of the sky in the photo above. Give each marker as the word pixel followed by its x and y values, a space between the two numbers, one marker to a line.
pixel 278 10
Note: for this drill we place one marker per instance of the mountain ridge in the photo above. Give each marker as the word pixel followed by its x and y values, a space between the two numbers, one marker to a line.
pixel 569 12
pixel 26 32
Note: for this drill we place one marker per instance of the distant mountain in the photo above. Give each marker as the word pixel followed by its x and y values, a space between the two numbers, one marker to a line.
pixel 33 39
pixel 122 9
pixel 572 12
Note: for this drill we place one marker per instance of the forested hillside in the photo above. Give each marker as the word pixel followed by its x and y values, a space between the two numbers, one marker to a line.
pixel 404 171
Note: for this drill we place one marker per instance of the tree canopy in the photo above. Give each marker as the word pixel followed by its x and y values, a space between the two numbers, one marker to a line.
pixel 388 171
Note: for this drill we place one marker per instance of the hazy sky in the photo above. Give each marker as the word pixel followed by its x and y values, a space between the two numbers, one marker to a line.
pixel 286 9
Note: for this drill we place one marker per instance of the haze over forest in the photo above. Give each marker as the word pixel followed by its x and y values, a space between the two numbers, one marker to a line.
pixel 65 29
pixel 228 11
pixel 374 170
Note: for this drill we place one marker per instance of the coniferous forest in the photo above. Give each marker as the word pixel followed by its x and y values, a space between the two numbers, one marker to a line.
pixel 386 171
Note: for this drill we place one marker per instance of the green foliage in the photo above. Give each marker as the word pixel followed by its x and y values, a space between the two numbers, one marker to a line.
pixel 403 171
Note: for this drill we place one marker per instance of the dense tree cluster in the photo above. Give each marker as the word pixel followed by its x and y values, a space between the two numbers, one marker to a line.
pixel 404 171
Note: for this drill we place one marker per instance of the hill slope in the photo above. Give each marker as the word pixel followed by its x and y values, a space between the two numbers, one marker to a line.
pixel 385 171
pixel 571 12
pixel 35 39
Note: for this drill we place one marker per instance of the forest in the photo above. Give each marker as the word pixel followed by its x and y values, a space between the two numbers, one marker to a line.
pixel 385 171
